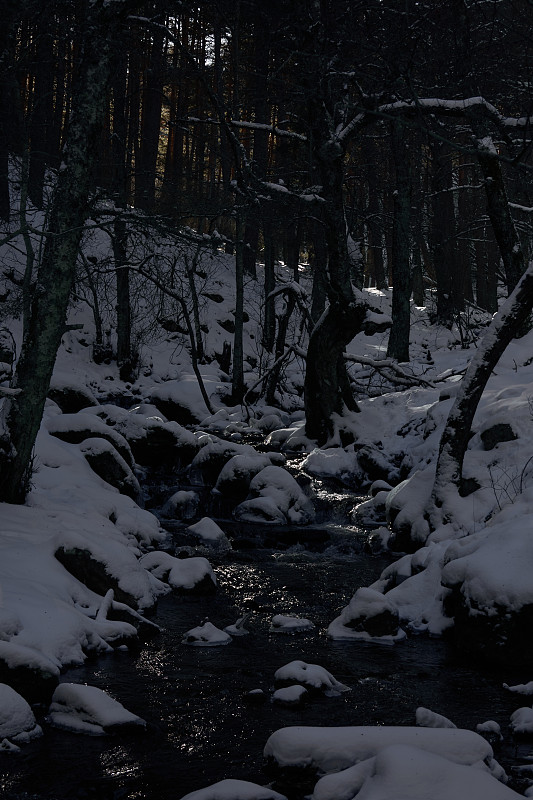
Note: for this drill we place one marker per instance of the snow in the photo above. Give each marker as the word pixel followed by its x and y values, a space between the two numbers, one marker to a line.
pixel 231 789
pixel 290 694
pixel 311 675
pixel 17 721
pixel 404 771
pixel 86 709
pixel 206 635
pixel 290 624
pixel 334 749
pixel 429 719
pixel 180 573
pixel 49 619
pixel 276 497
pixel 210 534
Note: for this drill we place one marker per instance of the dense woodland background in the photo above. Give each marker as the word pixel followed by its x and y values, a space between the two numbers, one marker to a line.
pixel 375 143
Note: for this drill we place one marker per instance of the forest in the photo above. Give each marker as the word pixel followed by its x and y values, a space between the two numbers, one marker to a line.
pixel 266 283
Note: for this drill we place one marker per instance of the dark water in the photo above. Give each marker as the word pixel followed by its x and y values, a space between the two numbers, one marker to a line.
pixel 200 727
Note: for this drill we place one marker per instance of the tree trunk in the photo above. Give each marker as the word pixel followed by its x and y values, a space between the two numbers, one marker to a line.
pixel 326 390
pixel 398 346
pixel 21 416
pixel 505 325
pixel 237 375
pixel 443 234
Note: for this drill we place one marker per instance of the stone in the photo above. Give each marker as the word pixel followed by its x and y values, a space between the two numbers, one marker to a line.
pixel 111 467
pixel 501 432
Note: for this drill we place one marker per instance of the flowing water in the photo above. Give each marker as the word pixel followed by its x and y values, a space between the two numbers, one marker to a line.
pixel 201 727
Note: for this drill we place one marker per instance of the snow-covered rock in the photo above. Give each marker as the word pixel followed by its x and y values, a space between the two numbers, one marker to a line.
pixel 312 676
pixel 333 749
pixel 369 616
pixel 210 534
pixel 294 695
pixel 86 709
pixel 206 635
pixel 182 574
pixel 281 623
pixel 412 773
pixel 276 498
pixel 430 719
pixel 17 720
pixel 522 720
pixel 231 789
pixel 183 504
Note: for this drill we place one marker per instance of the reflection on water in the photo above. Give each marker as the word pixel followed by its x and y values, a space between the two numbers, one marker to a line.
pixel 200 727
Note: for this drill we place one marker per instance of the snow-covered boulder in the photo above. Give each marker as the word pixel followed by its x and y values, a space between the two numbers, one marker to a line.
pixel 70 395
pixel 231 789
pixel 17 721
pixel 276 498
pixel 109 465
pixel 108 565
pixel 191 575
pixel 210 534
pixel 522 720
pixel 86 709
pixel 153 441
pixel 294 695
pixel 213 455
pixel 234 479
pixel 369 616
pixel 430 719
pixel 282 623
pixel 335 463
pixel 412 773
pixel 183 504
pixel 490 593
pixel 181 400
pixel 206 635
pixel 405 506
pixel 76 428
pixel 333 749
pixel 29 672
pixel 312 676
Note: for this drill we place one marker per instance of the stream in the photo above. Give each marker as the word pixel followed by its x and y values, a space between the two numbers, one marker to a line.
pixel 202 728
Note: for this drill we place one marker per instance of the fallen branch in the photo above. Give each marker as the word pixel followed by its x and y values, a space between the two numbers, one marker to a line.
pixel 391 370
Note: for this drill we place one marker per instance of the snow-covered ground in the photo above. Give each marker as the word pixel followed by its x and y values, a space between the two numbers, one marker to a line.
pixel 51 617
